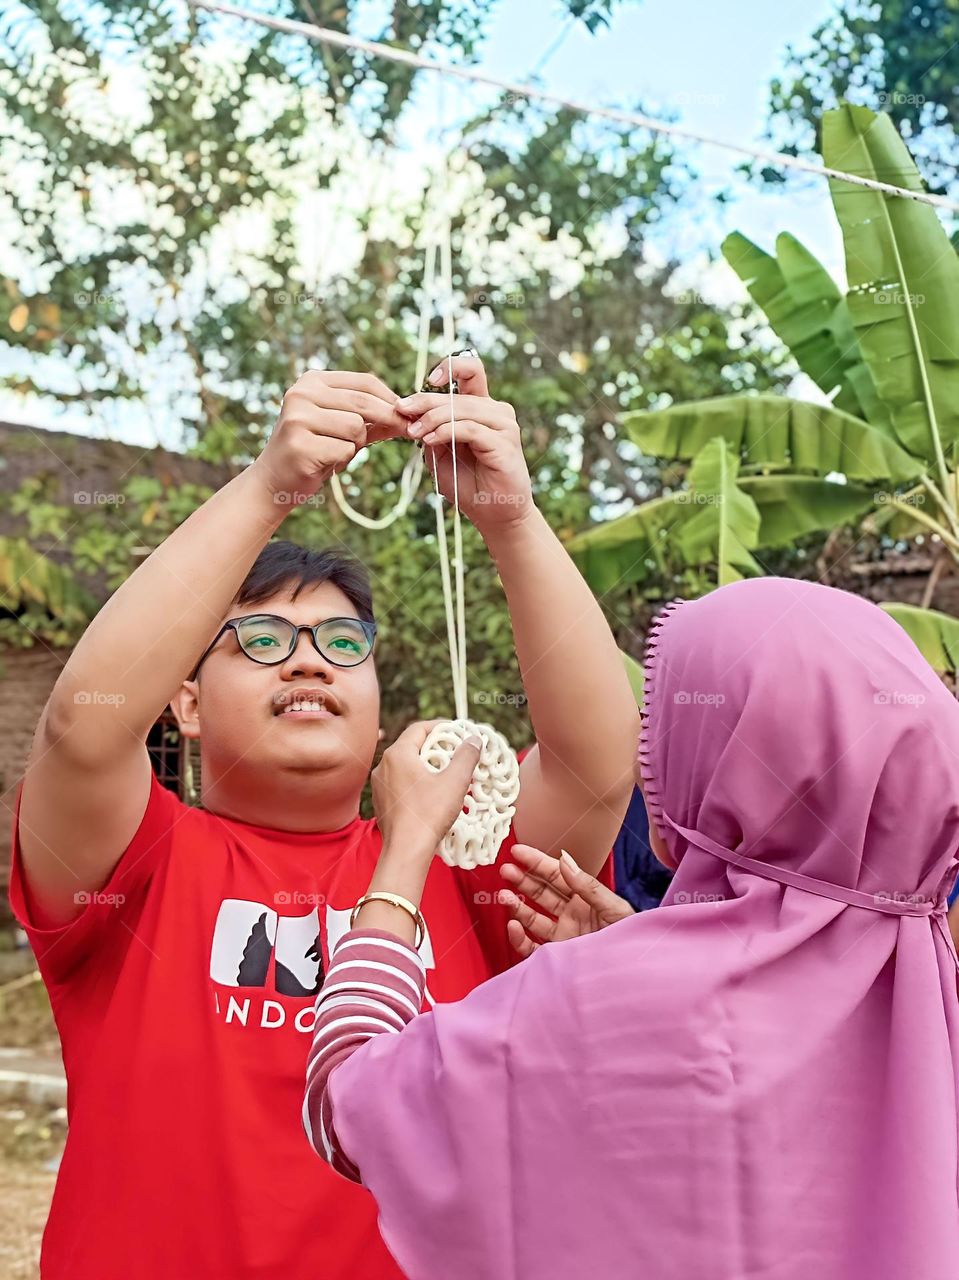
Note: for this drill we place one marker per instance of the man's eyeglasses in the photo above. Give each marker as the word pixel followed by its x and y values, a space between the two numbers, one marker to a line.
pixel 270 639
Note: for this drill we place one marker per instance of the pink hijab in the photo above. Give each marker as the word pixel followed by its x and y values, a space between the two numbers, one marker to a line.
pixel 758 1080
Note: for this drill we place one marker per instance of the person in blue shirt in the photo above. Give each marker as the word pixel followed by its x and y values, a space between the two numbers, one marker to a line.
pixel 638 874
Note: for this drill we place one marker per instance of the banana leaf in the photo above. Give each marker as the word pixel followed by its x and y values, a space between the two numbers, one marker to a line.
pixel 936 635
pixel 726 524
pixel 768 430
pixel 710 523
pixel 792 506
pixel 631 548
pixel 805 307
pixel 896 523
pixel 903 282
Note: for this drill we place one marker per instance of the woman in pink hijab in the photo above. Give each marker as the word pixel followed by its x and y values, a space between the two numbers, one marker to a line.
pixel 757 1081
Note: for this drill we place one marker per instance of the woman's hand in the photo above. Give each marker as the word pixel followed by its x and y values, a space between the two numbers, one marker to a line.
pixel 572 901
pixel 414 805
pixel 492 478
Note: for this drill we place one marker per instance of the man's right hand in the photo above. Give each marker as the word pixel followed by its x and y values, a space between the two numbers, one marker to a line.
pixel 326 418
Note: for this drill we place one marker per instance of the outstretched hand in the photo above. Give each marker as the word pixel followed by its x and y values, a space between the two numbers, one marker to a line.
pixel 573 902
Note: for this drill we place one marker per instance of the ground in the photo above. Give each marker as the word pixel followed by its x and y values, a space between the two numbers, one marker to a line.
pixel 25 1191
pixel 31 1132
pixel 24 1194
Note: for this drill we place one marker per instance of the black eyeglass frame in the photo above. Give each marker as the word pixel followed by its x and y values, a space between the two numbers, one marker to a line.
pixel 368 629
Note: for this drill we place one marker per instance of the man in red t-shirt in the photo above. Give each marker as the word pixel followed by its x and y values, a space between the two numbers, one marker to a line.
pixel 183 948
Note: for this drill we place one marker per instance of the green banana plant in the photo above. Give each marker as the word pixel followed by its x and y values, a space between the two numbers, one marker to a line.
pixel 882 454
pixel 29 578
pixel 935 634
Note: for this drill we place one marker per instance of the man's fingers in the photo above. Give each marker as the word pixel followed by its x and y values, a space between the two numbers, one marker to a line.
pixel 485 443
pixel 468 371
pixel 300 410
pixel 434 409
pixel 464 761
pixel 415 734
pixel 368 383
pixel 464 758
pixel 519 940
pixel 480 438
pixel 359 393
pixel 349 394
pixel 383 420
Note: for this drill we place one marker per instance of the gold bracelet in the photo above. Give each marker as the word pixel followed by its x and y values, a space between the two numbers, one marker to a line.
pixel 394 900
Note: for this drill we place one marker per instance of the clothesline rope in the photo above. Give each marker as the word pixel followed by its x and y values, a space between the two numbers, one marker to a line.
pixel 373 48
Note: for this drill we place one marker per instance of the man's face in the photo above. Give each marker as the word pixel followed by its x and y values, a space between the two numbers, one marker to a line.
pixel 238 707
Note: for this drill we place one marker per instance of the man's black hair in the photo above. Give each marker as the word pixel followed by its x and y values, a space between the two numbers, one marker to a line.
pixel 285 566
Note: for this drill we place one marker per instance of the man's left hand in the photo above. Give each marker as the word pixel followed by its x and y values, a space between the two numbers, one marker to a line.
pixel 492 478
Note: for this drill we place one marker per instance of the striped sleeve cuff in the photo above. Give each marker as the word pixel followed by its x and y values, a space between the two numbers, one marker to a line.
pixel 375 984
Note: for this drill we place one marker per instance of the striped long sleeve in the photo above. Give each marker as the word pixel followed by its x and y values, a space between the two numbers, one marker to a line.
pixel 375 984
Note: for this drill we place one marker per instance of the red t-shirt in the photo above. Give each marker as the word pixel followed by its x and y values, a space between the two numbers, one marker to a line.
pixel 184 996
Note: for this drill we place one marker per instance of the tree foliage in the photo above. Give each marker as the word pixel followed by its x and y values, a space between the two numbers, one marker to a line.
pixel 898 57
pixel 199 211
pixel 762 472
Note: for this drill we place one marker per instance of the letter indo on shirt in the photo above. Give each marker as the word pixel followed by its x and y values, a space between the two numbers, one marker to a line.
pixel 184 996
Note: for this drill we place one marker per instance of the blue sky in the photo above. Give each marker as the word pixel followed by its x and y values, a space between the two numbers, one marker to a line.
pixel 709 62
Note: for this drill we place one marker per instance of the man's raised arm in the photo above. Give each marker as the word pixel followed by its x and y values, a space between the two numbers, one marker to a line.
pixel 87 778
pixel 577 781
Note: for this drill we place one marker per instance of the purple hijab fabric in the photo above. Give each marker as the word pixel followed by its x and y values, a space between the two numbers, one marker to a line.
pixel 760 1079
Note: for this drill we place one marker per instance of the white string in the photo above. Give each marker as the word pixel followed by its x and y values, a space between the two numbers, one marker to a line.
pixel 409 483
pixel 632 118
pixel 413 469
pixel 454 592
pixel 449 337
